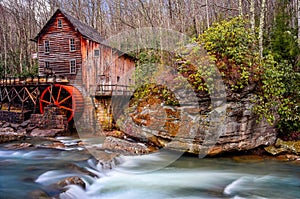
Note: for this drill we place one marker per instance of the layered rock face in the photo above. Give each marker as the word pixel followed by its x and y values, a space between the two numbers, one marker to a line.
pixel 197 129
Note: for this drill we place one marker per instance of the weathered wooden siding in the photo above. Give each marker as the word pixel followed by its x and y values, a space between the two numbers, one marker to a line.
pixel 105 68
pixel 90 63
pixel 91 70
pixel 60 55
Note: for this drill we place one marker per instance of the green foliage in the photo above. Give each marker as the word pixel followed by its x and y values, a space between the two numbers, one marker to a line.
pixel 279 95
pixel 283 38
pixel 162 92
pixel 232 46
pixel 28 73
pixel 2 72
pixel 233 49
pixel 146 66
pixel 11 72
pixel 281 82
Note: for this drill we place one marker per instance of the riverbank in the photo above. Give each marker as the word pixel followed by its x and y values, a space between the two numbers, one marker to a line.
pixel 29 135
pixel 86 159
pixel 75 172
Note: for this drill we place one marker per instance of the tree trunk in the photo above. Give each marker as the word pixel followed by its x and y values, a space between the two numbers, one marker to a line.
pixel 261 27
pixel 5 55
pixel 241 7
pixel 207 14
pixel 252 15
pixel 298 16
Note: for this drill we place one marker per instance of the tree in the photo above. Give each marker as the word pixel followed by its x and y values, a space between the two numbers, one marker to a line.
pixel 252 16
pixel 298 17
pixel 261 27
pixel 241 7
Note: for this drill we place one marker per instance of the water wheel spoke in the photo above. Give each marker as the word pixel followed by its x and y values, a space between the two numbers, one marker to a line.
pixel 49 90
pixel 47 102
pixel 52 97
pixel 65 99
pixel 58 95
pixel 66 108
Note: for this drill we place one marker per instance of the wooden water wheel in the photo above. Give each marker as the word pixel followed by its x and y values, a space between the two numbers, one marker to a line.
pixel 67 98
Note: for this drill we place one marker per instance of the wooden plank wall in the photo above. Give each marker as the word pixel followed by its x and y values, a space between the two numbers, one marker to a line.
pixel 109 65
pixel 60 54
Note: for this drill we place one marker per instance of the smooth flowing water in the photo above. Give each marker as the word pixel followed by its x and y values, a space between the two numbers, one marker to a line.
pixel 22 172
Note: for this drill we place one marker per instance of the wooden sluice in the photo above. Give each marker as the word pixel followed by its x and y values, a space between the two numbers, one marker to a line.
pixel 19 97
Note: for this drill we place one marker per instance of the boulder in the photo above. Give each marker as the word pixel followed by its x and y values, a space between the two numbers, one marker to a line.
pixel 6 124
pixel 11 136
pixel 75 168
pixel 38 194
pixel 284 147
pixel 14 126
pixel 25 123
pixel 124 146
pixel 75 180
pixel 53 145
pixel 7 129
pixel 47 132
pixel 18 146
pixel 232 126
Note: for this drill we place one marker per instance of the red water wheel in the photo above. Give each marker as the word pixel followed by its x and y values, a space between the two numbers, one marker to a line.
pixel 67 98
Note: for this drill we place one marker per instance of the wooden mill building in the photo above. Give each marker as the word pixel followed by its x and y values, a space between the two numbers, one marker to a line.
pixel 68 47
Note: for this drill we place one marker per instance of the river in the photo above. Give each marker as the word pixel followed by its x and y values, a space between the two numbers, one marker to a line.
pixel 24 171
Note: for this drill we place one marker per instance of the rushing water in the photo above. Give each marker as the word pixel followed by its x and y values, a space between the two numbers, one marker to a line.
pixel 22 172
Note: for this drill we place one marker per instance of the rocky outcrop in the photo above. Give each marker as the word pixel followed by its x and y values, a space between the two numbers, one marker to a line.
pixel 75 180
pixel 124 146
pixel 231 126
pixel 11 136
pixel 47 132
pixel 284 147
pixel 18 146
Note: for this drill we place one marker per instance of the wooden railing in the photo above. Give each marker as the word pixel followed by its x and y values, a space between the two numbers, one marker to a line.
pixel 13 81
pixel 113 89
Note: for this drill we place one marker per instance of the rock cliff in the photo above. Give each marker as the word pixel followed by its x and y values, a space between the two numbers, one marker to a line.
pixel 197 129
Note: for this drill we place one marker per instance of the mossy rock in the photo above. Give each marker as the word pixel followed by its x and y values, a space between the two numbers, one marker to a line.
pixel 281 147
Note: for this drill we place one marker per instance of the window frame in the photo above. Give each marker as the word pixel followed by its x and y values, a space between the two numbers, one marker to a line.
pixel 47 64
pixel 73 67
pixel 96 54
pixel 47 46
pixel 59 23
pixel 72 45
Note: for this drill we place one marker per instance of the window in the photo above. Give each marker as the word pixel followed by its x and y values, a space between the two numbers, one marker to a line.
pixel 96 53
pixel 72 45
pixel 47 46
pixel 47 64
pixel 73 66
pixel 118 78
pixel 59 23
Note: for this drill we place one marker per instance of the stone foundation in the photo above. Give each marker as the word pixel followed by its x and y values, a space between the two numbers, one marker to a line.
pixel 51 119
pixel 14 116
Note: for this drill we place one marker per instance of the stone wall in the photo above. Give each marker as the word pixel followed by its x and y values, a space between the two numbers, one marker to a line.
pixel 104 113
pixel 51 119
pixel 14 116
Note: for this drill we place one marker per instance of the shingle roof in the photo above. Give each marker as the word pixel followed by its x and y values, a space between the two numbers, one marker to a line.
pixel 83 28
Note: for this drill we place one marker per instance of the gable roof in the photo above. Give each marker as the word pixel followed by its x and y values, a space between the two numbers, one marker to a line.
pixel 82 28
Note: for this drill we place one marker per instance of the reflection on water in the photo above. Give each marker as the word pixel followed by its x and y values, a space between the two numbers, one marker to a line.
pixel 22 172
